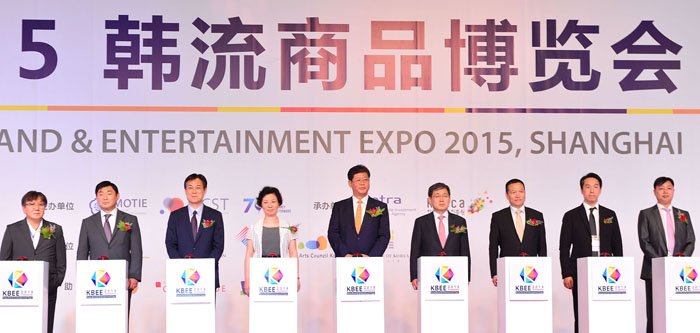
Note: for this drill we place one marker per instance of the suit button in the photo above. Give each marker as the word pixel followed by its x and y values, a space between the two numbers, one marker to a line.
pixel 358 238
pixel 195 249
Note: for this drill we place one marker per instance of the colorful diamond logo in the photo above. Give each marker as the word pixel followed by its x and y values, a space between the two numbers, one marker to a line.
pixel 360 275
pixel 528 274
pixel 444 274
pixel 100 278
pixel 611 274
pixel 17 279
pixel 190 277
pixel 689 274
pixel 273 275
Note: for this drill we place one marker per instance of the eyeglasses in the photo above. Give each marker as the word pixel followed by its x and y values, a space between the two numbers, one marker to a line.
pixel 363 180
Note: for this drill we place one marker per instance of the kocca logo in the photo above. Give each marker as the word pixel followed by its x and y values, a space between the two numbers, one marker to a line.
pixel 18 279
pixel 190 277
pixel 100 278
pixel 688 274
pixel 360 275
pixel 528 274
pixel 273 275
pixel 611 275
pixel 444 274
pixel 171 204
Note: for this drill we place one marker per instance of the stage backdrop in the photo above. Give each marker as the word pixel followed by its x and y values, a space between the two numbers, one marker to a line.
pixel 292 94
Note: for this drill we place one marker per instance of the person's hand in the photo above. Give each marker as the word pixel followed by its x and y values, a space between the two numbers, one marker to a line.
pixel 364 255
pixel 298 284
pixel 414 284
pixel 246 288
pixel 494 280
pixel 348 255
pixel 569 282
pixel 131 284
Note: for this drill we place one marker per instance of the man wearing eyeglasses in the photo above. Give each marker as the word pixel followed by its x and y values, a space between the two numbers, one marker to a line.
pixel 359 225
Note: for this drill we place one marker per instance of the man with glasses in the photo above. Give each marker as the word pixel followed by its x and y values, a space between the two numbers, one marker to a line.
pixel 359 225
pixel 438 232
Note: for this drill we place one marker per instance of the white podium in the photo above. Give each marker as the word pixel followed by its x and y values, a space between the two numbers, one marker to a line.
pixel 25 295
pixel 524 294
pixel 190 295
pixel 273 295
pixel 101 293
pixel 443 285
pixel 676 294
pixel 359 294
pixel 606 294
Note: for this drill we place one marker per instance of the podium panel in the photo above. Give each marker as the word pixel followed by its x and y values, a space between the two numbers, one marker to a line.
pixel 443 285
pixel 189 295
pixel 676 293
pixel 359 294
pixel 524 294
pixel 101 293
pixel 273 295
pixel 24 300
pixel 606 294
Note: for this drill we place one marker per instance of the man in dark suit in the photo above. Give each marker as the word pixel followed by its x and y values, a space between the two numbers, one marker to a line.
pixel 517 230
pixel 438 231
pixel 37 239
pixel 113 234
pixel 591 229
pixel 663 231
pixel 359 224
pixel 196 229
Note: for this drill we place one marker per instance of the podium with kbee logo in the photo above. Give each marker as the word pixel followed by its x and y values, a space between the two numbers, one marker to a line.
pixel 101 293
pixel 524 294
pixel 273 295
pixel 443 285
pixel 676 294
pixel 606 294
pixel 24 300
pixel 359 298
pixel 189 295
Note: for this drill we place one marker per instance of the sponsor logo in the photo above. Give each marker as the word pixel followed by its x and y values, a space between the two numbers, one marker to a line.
pixel 273 275
pixel 360 275
pixel 611 275
pixel 190 277
pixel 123 203
pixel 528 274
pixel 444 274
pixel 172 204
pixel 321 243
pixel 100 278
pixel 688 274
pixel 18 279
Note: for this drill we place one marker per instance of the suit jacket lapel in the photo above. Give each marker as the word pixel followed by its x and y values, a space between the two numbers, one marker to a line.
pixel 27 238
pixel 511 225
pixel 40 235
pixel 584 218
pixel 97 220
pixel 677 223
pixel 436 233
pixel 656 219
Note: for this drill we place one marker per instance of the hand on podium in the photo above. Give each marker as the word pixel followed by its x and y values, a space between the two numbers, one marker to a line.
pixel 414 284
pixel 298 284
pixel 494 280
pixel 132 283
pixel 246 287
pixel 569 282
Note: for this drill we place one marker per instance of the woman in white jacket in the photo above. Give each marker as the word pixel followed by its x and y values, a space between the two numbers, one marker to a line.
pixel 270 236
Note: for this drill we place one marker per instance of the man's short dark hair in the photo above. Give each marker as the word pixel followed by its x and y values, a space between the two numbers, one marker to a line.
pixel 196 176
pixel 438 186
pixel 104 184
pixel 591 175
pixel 513 181
pixel 268 190
pixel 33 195
pixel 661 180
pixel 357 169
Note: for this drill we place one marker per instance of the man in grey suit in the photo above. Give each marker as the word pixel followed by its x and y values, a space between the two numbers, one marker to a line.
pixel 113 234
pixel 663 230
pixel 34 238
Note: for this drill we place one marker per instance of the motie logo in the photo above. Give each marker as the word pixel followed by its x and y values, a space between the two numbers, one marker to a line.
pixel 528 274
pixel 360 275
pixel 18 279
pixel 444 274
pixel 273 275
pixel 611 275
pixel 190 277
pixel 688 274
pixel 100 278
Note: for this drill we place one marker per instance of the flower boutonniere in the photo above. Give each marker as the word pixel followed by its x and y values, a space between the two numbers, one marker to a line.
pixel 207 223
pixel 124 226
pixel 459 229
pixel 48 231
pixel 374 212
pixel 608 220
pixel 293 228
pixel 534 222
pixel 682 217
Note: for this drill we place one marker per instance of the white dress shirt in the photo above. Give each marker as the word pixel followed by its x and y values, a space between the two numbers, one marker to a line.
pixel 595 240
pixel 444 221
pixel 665 225
pixel 199 210
pixel 35 233
pixel 112 218
pixel 364 206
pixel 513 214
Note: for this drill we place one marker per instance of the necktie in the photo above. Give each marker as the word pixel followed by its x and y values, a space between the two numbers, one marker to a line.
pixel 194 224
pixel 671 232
pixel 591 222
pixel 441 232
pixel 358 216
pixel 108 228
pixel 519 225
